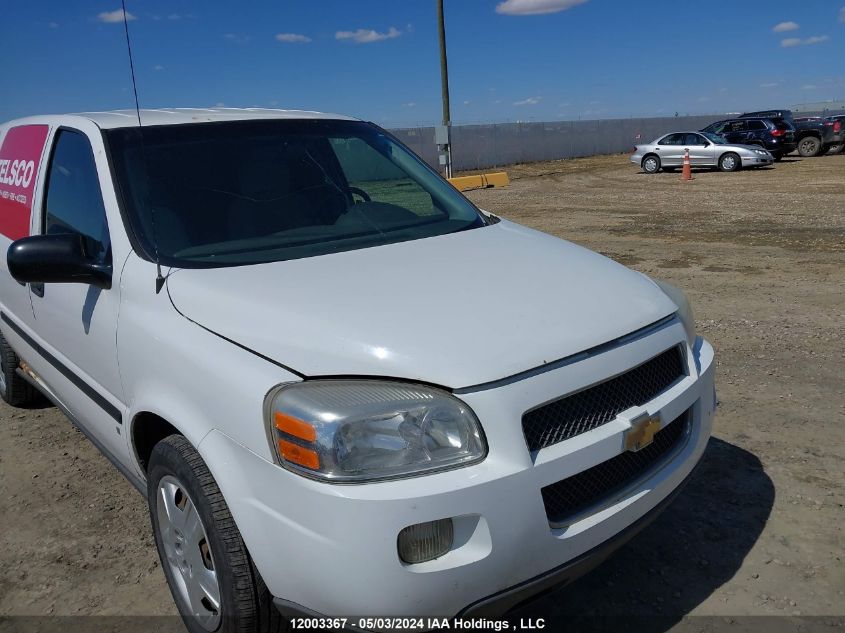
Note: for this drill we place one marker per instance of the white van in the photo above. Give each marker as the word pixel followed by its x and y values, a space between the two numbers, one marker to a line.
pixel 343 389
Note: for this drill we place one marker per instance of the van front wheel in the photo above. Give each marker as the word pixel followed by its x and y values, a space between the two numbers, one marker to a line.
pixel 211 576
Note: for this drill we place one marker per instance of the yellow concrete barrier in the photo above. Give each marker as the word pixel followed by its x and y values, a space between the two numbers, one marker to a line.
pixel 497 179
pixel 480 181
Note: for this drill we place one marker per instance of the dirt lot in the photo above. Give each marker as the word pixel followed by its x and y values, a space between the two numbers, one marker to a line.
pixel 757 531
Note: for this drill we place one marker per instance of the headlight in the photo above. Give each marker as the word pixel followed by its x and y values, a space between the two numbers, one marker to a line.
pixel 761 151
pixel 684 309
pixel 362 430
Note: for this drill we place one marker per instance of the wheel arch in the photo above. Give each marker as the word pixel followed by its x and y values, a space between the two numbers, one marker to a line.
pixel 146 430
pixel 651 155
pixel 726 153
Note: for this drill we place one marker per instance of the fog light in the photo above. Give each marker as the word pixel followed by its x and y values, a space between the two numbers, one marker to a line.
pixel 425 541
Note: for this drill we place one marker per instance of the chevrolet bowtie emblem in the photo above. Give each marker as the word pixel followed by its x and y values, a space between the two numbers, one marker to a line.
pixel 642 432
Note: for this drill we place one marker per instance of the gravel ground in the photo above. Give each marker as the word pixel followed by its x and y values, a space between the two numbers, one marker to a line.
pixel 758 531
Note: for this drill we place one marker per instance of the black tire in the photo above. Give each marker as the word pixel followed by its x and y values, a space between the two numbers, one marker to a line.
pixel 777 156
pixel 13 389
pixel 809 146
pixel 729 161
pixel 245 603
pixel 836 149
pixel 651 164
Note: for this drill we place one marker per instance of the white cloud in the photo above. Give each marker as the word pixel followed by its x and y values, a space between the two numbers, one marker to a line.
pixel 535 7
pixel 410 104
pixel 110 17
pixel 292 38
pixel 790 42
pixel 158 67
pixel 771 84
pixel 367 36
pixel 466 102
pixel 53 25
pixel 174 16
pixel 808 87
pixel 528 101
pixel 703 99
pixel 783 27
pixel 842 14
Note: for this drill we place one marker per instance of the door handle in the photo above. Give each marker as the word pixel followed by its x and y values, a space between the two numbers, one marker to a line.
pixel 37 289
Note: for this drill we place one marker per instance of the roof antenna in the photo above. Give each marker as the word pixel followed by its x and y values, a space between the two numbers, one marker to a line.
pixel 159 276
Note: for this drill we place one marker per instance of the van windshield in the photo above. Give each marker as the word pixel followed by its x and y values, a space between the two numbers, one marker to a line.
pixel 246 192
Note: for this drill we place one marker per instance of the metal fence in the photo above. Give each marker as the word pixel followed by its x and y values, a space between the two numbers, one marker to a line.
pixel 498 144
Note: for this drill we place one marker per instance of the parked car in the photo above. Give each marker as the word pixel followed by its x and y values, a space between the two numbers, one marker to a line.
pixel 811 136
pixel 778 137
pixel 705 150
pixel 269 321
pixel 837 125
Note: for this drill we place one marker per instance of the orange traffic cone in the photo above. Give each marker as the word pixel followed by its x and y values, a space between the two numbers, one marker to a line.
pixel 686 172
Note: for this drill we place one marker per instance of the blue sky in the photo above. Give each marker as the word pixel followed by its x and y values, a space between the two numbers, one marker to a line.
pixel 378 59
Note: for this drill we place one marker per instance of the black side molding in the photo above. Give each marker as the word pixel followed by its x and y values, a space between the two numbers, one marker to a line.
pixel 83 386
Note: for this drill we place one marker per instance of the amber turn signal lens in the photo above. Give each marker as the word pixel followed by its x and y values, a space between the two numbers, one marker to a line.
pixel 294 426
pixel 299 455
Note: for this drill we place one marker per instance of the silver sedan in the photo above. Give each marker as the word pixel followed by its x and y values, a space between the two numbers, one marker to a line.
pixel 705 150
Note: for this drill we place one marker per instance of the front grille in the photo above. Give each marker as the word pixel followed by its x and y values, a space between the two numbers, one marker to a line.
pixel 591 487
pixel 585 410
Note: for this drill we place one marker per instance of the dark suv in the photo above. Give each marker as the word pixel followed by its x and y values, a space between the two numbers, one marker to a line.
pixel 812 137
pixel 776 136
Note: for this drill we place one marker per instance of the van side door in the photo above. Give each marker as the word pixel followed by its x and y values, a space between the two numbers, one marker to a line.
pixel 76 324
pixel 21 151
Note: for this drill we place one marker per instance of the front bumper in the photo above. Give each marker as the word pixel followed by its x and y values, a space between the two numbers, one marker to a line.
pixel 757 160
pixel 331 549
pixel 504 601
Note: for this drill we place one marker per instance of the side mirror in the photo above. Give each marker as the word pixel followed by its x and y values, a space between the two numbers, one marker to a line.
pixel 55 259
pixel 706 144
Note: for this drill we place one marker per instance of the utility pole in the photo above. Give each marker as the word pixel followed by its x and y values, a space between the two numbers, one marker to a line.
pixel 443 136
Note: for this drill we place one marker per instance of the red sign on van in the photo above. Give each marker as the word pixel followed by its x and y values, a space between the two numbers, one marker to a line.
pixel 19 158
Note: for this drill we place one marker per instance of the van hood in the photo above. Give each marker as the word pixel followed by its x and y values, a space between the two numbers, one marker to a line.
pixel 456 310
